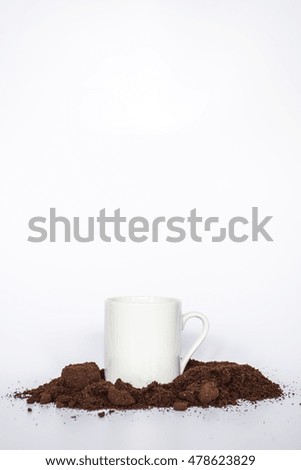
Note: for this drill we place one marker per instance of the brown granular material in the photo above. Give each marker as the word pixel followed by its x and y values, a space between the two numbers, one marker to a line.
pixel 203 384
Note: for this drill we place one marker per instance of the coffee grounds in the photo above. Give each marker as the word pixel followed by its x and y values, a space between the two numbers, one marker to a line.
pixel 203 384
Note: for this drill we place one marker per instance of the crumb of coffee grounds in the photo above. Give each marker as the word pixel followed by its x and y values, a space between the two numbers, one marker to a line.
pixel 29 410
pixel 208 392
pixel 180 406
pixel 101 414
pixel 202 384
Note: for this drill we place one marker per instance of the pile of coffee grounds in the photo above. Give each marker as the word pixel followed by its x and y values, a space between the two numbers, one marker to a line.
pixel 202 384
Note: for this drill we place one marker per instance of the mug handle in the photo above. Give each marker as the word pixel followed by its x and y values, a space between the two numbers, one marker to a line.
pixel 194 347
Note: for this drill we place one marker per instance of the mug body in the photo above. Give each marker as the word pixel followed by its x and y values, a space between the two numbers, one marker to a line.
pixel 142 339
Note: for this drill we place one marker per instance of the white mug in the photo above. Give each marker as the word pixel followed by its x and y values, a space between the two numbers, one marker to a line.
pixel 143 339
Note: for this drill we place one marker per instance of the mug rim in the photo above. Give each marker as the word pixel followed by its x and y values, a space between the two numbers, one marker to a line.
pixel 142 299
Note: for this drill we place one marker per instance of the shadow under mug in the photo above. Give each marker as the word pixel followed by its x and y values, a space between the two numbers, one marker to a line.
pixel 143 339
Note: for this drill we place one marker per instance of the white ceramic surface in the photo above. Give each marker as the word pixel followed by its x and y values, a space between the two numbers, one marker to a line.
pixel 143 339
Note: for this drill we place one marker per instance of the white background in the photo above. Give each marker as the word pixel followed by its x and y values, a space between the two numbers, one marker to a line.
pixel 156 107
